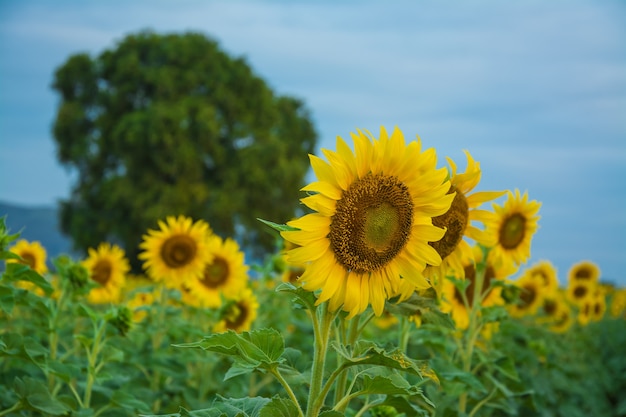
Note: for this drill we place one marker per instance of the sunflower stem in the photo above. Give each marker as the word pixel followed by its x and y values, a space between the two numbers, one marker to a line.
pixel 473 328
pixel 321 334
pixel 350 339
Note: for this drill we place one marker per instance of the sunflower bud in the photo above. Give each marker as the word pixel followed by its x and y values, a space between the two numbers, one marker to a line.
pixel 121 320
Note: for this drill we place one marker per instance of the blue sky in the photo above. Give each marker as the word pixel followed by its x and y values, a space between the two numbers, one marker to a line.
pixel 535 90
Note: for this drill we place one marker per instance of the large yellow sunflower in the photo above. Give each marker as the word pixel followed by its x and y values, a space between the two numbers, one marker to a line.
pixel 509 229
pixel 177 252
pixel 584 271
pixel 452 300
pixel 32 254
pixel 226 274
pixel 453 249
pixel 238 313
pixel 368 238
pixel 107 266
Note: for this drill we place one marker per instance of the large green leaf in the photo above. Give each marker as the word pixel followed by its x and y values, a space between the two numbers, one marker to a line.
pixel 257 349
pixel 368 353
pixel 279 407
pixel 35 396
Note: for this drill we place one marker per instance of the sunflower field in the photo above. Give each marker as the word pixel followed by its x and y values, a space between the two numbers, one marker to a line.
pixel 402 291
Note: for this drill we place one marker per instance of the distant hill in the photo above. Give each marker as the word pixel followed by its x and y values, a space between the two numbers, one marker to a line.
pixel 37 223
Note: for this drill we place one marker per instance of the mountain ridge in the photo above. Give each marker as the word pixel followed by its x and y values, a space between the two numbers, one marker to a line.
pixel 37 223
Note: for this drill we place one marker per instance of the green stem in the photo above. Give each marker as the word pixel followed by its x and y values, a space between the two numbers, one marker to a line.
pixel 343 403
pixel 405 327
pixel 350 339
pixel 481 403
pixel 283 382
pixel 473 328
pixel 321 333
pixel 92 358
pixel 14 407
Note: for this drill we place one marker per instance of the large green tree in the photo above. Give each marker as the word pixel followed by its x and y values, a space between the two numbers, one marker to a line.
pixel 170 124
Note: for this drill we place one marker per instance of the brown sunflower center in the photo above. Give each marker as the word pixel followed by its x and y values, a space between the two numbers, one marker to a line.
pixel 512 231
pixel 236 315
pixel 178 251
pixel 549 307
pixel 527 296
pixel 372 223
pixel 470 275
pixel 581 273
pixel 580 292
pixel 215 273
pixel 28 259
pixel 454 221
pixel 101 272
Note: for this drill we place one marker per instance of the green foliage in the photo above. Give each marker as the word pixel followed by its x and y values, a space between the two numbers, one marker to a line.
pixel 60 355
pixel 170 124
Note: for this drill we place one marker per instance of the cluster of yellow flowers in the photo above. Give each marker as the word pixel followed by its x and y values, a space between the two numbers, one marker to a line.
pixel 208 271
pixel 385 221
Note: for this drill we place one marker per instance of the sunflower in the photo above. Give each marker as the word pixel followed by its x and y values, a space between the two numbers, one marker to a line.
pixel 563 319
pixel 177 252
pixel 584 271
pixel 592 308
pixel 368 238
pixel 553 309
pixel 107 266
pixel 225 274
pixel 453 249
pixel 509 229
pixel 290 272
pixel 579 291
pixel 32 254
pixel 452 300
pixel 530 297
pixel 238 313
pixel 618 303
pixel 545 272
pixel 139 304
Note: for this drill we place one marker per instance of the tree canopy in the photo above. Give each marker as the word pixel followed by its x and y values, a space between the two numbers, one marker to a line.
pixel 171 124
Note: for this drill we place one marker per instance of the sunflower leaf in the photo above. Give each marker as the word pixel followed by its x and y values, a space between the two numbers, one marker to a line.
pixel 368 353
pixel 307 298
pixel 278 227
pixel 257 349
pixel 386 384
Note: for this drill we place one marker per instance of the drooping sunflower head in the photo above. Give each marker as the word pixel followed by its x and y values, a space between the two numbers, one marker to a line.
pixel 457 221
pixel 177 251
pixel 32 254
pixel 510 228
pixel 225 275
pixel 372 223
pixel 584 271
pixel 107 266
pixel 238 313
